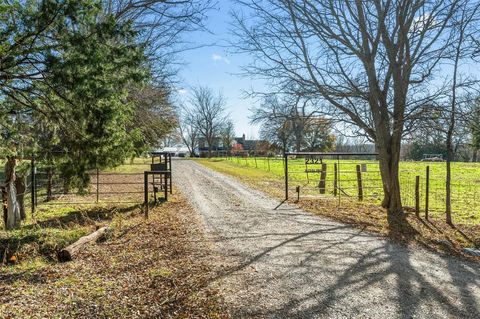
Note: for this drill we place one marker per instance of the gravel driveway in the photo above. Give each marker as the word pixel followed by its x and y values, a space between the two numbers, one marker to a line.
pixel 283 262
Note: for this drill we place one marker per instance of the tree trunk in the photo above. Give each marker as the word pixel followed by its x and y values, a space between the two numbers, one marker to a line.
pixel 21 188
pixel 4 205
pixel 475 154
pixel 389 158
pixel 13 210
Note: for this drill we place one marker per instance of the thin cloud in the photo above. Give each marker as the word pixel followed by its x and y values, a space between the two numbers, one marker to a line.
pixel 182 91
pixel 218 57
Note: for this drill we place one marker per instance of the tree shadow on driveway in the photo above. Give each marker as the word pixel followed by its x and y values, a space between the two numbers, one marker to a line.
pixel 335 270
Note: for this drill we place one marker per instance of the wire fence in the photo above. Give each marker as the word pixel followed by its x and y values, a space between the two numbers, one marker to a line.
pixel 357 177
pixel 126 184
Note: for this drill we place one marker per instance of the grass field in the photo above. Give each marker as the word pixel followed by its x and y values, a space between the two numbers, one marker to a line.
pixel 465 182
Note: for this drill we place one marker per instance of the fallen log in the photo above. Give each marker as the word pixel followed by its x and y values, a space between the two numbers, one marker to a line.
pixel 67 253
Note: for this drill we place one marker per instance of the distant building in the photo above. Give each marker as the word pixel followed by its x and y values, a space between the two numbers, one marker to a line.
pixel 238 143
pixel 178 150
pixel 247 145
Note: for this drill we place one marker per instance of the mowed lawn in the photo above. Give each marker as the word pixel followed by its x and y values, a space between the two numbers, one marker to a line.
pixel 465 182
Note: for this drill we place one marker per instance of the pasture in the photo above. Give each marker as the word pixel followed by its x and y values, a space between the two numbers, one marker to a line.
pixel 465 182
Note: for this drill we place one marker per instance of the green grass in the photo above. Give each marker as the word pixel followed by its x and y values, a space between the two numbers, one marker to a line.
pixel 56 224
pixel 465 182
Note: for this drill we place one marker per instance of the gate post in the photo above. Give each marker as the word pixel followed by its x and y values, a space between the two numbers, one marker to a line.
pixel 145 193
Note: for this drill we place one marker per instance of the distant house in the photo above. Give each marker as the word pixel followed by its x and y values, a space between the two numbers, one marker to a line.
pixel 217 145
pixel 249 145
pixel 238 143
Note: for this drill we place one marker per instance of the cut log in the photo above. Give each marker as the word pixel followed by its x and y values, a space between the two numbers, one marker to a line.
pixel 69 252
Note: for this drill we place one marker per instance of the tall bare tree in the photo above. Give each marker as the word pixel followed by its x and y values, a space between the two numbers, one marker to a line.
pixel 227 134
pixel 463 29
pixel 208 111
pixel 286 111
pixel 188 130
pixel 370 60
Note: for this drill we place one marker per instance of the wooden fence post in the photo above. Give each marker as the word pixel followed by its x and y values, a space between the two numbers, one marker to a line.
pixel 323 177
pixel 359 182
pixel 417 196
pixel 427 190
pixel 335 179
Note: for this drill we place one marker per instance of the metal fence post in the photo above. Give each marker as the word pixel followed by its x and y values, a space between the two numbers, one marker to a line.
pixel 165 186
pixel 285 159
pixel 98 184
pixel 417 196
pixel 427 190
pixel 335 179
pixel 145 193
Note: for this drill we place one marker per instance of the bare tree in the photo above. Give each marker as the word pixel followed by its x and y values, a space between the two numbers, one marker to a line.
pixel 282 112
pixel 462 30
pixel 227 134
pixel 208 111
pixel 162 27
pixel 370 60
pixel 474 127
pixel 317 135
pixel 188 130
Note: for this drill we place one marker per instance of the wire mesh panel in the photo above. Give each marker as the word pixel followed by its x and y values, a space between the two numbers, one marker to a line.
pixel 123 184
pixel 333 175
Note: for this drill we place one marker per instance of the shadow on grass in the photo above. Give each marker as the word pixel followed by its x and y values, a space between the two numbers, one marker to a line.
pixel 46 237
pixel 83 217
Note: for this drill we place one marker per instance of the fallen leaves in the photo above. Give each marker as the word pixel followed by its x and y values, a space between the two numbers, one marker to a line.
pixel 157 268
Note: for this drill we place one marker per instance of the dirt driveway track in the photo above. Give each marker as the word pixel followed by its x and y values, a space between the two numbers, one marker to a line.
pixel 287 263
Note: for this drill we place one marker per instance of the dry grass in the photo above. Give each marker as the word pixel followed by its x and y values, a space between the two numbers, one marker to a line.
pixel 157 268
pixel 433 234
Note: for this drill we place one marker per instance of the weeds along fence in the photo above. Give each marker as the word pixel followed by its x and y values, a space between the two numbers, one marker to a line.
pixel 356 177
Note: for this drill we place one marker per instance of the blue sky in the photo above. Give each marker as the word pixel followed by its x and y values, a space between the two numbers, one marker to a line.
pixel 217 68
